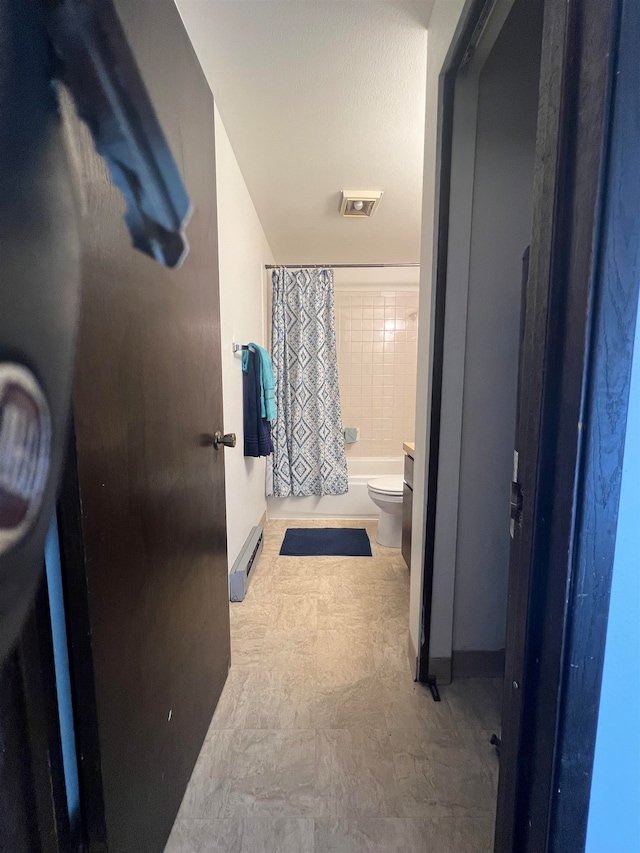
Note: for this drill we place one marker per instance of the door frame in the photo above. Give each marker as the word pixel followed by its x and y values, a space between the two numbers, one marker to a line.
pixel 457 193
pixel 33 797
pixel 583 300
pixel 470 19
pixel 479 28
pixel 584 288
pixel 69 517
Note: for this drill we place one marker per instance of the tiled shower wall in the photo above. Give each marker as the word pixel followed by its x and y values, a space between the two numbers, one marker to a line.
pixel 376 335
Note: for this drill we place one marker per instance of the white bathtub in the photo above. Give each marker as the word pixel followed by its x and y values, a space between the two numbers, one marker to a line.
pixel 355 504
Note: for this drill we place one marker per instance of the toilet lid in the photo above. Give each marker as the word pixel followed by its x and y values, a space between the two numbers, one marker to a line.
pixel 387 485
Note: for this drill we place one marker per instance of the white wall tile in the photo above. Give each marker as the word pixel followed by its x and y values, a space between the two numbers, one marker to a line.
pixel 377 368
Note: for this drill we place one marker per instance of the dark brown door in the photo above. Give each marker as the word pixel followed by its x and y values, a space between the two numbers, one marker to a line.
pixel 142 516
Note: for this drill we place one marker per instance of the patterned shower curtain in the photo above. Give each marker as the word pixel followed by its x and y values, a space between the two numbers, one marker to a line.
pixel 308 440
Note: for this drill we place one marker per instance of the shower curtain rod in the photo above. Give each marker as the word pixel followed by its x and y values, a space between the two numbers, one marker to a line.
pixel 333 266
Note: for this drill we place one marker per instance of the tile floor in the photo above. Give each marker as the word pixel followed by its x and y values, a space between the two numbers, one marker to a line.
pixel 322 742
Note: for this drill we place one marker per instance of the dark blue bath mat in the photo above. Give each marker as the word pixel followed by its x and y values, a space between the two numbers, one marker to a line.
pixel 326 542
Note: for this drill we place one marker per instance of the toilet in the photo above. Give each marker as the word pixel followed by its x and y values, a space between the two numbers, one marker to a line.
pixel 386 493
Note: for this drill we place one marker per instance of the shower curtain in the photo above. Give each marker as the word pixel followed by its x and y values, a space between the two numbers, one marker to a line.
pixel 308 440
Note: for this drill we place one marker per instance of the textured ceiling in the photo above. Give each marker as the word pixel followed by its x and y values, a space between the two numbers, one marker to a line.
pixel 319 96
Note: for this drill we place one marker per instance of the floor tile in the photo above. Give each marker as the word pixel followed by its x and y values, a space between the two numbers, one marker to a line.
pixel 322 742
pixel 446 780
pixel 409 706
pixel 354 704
pixel 390 653
pixel 452 834
pixel 248 650
pixel 208 789
pixel 355 774
pixel 294 613
pixel 380 594
pixel 373 835
pixel 242 835
pixel 474 702
pixel 286 576
pixel 460 833
pixel 289 651
pixel 344 656
pixel 338 610
pixel 261 698
pixel 249 625
pixel 273 774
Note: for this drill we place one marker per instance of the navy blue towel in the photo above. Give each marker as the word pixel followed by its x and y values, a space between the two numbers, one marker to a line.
pixel 257 430
pixel 326 542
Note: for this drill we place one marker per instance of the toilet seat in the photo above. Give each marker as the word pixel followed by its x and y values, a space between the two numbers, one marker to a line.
pixel 393 485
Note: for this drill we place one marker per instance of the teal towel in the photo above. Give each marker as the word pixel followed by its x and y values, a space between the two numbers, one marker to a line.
pixel 350 435
pixel 267 382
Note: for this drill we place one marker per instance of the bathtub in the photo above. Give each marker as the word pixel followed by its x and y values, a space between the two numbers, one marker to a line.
pixel 355 504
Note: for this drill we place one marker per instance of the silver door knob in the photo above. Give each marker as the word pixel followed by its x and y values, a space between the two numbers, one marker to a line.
pixel 228 440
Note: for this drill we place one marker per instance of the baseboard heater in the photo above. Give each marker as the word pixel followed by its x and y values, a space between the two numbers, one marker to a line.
pixel 241 571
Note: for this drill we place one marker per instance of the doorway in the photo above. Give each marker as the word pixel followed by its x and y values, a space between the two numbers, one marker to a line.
pixel 341 754
pixel 494 103
pixel 557 529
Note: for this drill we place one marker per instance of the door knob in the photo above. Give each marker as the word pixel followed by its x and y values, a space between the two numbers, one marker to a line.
pixel 228 440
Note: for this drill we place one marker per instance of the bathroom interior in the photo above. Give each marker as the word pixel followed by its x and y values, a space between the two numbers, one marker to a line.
pixel 282 186
pixel 341 205
pixel 323 739
pixel 337 635
pixel 376 327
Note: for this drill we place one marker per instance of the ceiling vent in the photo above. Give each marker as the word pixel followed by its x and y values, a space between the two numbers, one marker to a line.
pixel 359 202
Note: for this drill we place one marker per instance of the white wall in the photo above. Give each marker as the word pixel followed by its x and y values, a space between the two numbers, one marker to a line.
pixel 442 27
pixel 243 252
pixel 501 230
pixel 480 589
